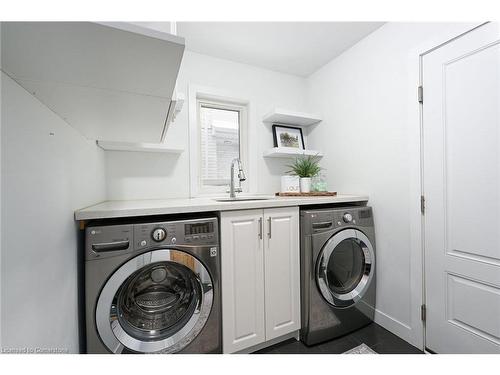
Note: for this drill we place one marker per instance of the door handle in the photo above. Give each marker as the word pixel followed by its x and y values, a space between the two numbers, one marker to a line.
pixel 110 246
pixel 322 225
pixel 260 228
pixel 269 233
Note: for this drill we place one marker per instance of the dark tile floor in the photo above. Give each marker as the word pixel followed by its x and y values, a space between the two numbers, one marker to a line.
pixel 377 338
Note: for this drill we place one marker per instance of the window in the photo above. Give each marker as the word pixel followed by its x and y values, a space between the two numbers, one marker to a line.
pixel 220 143
pixel 221 139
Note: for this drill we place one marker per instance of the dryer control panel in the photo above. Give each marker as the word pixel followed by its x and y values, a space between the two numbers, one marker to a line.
pixel 321 220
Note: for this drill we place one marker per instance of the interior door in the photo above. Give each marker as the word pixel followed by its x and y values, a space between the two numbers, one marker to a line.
pixel 461 148
pixel 282 271
pixel 242 275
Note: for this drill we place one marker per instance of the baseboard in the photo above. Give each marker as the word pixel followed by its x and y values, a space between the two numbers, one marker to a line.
pixel 291 335
pixel 394 326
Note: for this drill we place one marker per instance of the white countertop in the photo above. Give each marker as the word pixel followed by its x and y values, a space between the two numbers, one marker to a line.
pixel 115 209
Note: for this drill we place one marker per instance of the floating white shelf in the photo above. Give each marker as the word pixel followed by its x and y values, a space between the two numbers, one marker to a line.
pixel 288 152
pixel 138 147
pixel 286 117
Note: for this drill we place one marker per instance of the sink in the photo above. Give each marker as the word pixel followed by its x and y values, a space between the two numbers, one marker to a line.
pixel 242 199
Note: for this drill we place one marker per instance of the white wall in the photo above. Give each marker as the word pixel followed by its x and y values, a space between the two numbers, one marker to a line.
pixel 148 176
pixel 370 136
pixel 48 171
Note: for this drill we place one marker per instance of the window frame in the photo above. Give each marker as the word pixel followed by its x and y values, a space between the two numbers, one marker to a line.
pixel 219 100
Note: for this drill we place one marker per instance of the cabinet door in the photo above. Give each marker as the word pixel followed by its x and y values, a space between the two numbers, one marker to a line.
pixel 282 271
pixel 242 261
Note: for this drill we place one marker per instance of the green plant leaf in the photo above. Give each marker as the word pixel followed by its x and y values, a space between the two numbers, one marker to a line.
pixel 305 166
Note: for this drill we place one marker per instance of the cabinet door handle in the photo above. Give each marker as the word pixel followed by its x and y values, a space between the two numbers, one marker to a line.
pixel 260 228
pixel 269 227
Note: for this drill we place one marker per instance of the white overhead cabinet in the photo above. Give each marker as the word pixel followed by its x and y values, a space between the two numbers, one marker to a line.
pixel 112 82
pixel 260 276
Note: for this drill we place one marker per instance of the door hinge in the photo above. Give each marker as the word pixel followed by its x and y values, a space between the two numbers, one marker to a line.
pixel 422 204
pixel 423 313
pixel 420 94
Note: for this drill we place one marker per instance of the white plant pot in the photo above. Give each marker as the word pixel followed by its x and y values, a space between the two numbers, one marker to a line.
pixel 305 184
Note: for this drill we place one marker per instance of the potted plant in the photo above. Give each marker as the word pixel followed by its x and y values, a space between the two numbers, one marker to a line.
pixel 305 167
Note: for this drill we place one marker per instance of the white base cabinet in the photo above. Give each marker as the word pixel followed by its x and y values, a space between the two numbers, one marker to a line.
pixel 242 276
pixel 282 271
pixel 260 276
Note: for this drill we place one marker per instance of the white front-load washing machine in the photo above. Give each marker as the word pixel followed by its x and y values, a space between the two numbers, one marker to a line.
pixel 337 271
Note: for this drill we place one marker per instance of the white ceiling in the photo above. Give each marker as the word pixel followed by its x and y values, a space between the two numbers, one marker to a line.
pixel 298 48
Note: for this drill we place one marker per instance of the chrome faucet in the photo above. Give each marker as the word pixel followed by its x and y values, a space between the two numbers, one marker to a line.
pixel 241 177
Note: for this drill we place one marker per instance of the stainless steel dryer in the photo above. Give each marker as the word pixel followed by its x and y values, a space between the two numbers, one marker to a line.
pixel 153 287
pixel 337 272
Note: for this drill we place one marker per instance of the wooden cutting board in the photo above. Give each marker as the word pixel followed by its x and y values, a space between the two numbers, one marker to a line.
pixel 311 194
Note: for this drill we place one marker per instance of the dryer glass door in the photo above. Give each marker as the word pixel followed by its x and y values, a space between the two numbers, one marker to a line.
pixel 156 302
pixel 345 268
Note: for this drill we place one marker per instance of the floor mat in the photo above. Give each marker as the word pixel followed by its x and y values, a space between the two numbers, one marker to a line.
pixel 361 349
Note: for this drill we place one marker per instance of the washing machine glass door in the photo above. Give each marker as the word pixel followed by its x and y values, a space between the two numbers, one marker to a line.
pixel 345 268
pixel 158 301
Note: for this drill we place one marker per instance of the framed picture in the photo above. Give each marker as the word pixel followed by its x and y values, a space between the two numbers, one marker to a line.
pixel 288 136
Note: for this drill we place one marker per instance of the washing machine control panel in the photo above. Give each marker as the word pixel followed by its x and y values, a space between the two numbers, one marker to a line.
pixel 103 241
pixel 197 232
